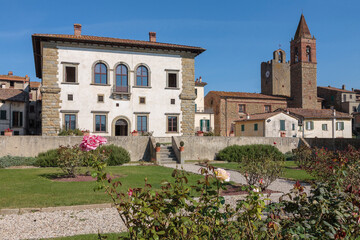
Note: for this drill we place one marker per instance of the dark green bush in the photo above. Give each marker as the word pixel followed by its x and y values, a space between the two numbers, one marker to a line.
pixel 9 161
pixel 70 132
pixel 116 155
pixel 236 153
pixel 47 159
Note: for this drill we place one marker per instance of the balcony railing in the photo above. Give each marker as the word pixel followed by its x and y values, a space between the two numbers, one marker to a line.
pixel 121 89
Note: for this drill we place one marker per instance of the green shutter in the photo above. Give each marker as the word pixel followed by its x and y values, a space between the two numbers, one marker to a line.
pixel 293 126
pixel 242 127
pixel 207 125
pixel 255 127
pixel 3 115
pixel 282 125
pixel 21 119
pixel 312 125
pixel 195 107
pixel 201 124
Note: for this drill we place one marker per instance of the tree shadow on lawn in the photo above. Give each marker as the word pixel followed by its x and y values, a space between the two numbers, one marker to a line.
pixel 62 177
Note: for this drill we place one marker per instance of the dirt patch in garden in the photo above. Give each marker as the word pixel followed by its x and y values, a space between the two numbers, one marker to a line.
pixel 237 190
pixel 80 178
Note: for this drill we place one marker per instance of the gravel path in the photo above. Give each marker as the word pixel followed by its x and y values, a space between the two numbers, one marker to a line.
pixel 60 223
pixel 281 185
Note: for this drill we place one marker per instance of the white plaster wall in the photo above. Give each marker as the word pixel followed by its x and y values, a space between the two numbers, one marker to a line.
pixel 272 127
pixel 85 95
pixel 319 133
pixel 206 116
pixel 199 101
pixel 14 106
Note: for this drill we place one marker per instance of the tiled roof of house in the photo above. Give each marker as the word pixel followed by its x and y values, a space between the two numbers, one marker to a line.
pixel 35 84
pixel 302 29
pixel 247 95
pixel 10 77
pixel 15 95
pixel 37 38
pixel 260 116
pixel 317 113
pixel 337 89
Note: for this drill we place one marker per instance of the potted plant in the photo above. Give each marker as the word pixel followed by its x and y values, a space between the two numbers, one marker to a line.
pixel 135 133
pixel 232 134
pixel 8 132
pixel 200 133
pixel 157 148
pixel 85 132
pixel 181 148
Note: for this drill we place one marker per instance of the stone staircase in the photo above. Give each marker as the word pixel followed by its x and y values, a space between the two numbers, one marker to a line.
pixel 167 155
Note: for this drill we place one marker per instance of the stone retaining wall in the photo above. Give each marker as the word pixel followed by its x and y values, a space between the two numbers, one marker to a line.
pixel 333 143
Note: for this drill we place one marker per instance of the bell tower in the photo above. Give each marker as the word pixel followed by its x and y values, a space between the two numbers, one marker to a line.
pixel 303 67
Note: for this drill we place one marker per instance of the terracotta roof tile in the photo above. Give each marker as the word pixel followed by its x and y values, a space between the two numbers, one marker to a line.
pixel 247 95
pixel 302 29
pixel 15 95
pixel 14 78
pixel 317 113
pixel 337 89
pixel 35 84
pixel 261 116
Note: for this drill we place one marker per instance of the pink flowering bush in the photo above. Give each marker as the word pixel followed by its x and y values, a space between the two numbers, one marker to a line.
pixel 92 142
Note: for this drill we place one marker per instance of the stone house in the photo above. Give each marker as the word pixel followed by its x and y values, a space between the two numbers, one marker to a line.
pixel 274 124
pixel 204 118
pixel 113 86
pixel 231 106
pixel 34 113
pixel 322 123
pixel 14 96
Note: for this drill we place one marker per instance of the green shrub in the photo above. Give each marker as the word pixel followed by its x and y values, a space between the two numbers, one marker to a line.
pixel 70 132
pixel 9 161
pixel 115 155
pixel 236 153
pixel 70 158
pixel 47 159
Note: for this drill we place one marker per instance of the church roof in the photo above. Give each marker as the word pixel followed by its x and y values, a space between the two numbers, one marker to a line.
pixel 302 30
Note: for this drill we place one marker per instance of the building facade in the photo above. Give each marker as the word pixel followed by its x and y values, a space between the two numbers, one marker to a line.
pixel 113 86
pixel 274 124
pixel 204 117
pixel 34 113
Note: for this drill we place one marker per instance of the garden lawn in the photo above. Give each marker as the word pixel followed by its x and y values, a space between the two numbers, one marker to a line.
pixel 34 187
pixel 291 170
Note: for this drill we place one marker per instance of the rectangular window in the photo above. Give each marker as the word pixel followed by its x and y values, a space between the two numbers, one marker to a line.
pixel 70 74
pixel 142 100
pixel 70 121
pixel 339 126
pixel 195 107
pixel 2 114
pixel 101 98
pixel 282 125
pixel 293 126
pixel 267 108
pixel 17 120
pixel 11 84
pixel 324 127
pixel 242 127
pixel 172 80
pixel 16 133
pixel 100 123
pixel 30 96
pixel 310 125
pixel 241 108
pixel 172 101
pixel 32 108
pixel 350 96
pixel 70 97
pixel 172 124
pixel 142 124
pixel 2 133
pixel 205 125
pixel 344 97
pixel 255 127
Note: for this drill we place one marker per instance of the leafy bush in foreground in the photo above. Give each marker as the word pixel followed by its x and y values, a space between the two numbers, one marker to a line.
pixel 236 153
pixel 10 161
pixel 115 155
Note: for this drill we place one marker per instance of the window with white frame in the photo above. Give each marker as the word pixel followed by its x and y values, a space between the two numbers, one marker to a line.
pixel 339 126
pixel 324 127
pixel 309 125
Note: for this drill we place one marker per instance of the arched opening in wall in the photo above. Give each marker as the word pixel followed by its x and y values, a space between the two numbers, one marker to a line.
pixel 280 57
pixel 308 53
pixel 296 55
pixel 121 127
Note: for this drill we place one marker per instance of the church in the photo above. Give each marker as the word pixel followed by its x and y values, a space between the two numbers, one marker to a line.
pixel 287 86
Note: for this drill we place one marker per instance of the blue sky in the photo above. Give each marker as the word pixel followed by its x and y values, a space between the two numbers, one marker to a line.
pixel 238 35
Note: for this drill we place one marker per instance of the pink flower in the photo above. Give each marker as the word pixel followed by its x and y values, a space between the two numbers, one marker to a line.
pixel 91 142
pixel 130 192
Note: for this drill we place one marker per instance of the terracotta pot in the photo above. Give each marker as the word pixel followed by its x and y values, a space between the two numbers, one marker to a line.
pixel 135 134
pixel 232 135
pixel 200 134
pixel 157 149
pixel 86 133
pixel 181 149
pixel 8 133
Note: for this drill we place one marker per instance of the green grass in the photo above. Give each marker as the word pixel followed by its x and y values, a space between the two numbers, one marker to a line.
pixel 21 188
pixel 110 236
pixel 290 170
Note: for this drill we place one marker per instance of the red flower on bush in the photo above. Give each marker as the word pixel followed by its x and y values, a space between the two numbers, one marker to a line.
pixel 298 186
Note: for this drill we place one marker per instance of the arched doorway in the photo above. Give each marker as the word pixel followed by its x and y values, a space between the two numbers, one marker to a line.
pixel 121 127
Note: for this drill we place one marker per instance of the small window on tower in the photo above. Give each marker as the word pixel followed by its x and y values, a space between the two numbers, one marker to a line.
pixel 308 53
pixel 280 57
pixel 296 55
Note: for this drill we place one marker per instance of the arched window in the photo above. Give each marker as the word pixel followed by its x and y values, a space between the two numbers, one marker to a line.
pixel 121 78
pixel 296 55
pixel 100 73
pixel 280 57
pixel 142 76
pixel 308 53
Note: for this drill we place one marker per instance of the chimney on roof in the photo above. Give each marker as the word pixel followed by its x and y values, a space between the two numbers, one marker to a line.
pixel 77 29
pixel 10 73
pixel 334 112
pixel 152 36
pixel 200 79
pixel 247 116
pixel 343 87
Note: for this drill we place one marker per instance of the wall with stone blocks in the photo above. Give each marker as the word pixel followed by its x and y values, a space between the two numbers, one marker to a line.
pixel 31 146
pixel 200 148
pixel 333 143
